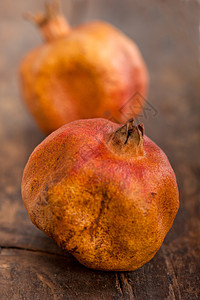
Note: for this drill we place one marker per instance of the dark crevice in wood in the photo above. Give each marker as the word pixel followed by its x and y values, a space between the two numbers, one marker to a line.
pixel 30 250
pixel 174 289
pixel 124 286
pixel 118 284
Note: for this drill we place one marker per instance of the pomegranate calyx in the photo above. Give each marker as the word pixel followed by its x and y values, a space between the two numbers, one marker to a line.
pixel 52 23
pixel 127 140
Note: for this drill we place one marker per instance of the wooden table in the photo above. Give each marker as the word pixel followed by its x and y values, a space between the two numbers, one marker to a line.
pixel 31 265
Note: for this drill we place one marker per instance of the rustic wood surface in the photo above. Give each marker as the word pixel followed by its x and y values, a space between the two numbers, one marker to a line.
pixel 31 265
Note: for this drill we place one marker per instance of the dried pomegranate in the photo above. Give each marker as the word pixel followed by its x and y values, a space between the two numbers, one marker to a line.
pixel 104 192
pixel 83 72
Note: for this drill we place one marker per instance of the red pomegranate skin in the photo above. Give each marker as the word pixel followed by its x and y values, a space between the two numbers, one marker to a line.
pixel 89 71
pixel 104 192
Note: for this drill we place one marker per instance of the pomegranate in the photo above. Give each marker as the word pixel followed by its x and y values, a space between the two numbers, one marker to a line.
pixel 104 192
pixel 84 72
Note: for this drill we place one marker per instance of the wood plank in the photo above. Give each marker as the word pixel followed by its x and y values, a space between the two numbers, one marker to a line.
pixel 34 275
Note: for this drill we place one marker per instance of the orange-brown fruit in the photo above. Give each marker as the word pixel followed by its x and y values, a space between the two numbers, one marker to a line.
pixel 84 72
pixel 104 192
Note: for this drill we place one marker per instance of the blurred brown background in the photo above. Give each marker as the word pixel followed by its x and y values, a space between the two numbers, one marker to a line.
pixel 31 265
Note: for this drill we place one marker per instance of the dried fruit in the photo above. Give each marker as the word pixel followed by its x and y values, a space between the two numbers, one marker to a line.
pixel 105 193
pixel 84 72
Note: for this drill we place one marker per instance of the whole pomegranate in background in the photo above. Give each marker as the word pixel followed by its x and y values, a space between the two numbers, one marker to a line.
pixel 84 72
pixel 104 192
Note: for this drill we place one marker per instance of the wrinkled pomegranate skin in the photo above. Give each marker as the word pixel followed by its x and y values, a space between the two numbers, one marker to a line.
pixel 92 72
pixel 110 212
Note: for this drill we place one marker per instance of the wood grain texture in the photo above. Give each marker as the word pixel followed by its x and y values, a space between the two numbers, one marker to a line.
pixel 31 265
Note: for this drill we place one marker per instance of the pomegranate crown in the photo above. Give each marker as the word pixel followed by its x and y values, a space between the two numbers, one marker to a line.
pixel 128 139
pixel 52 23
pixel 52 11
